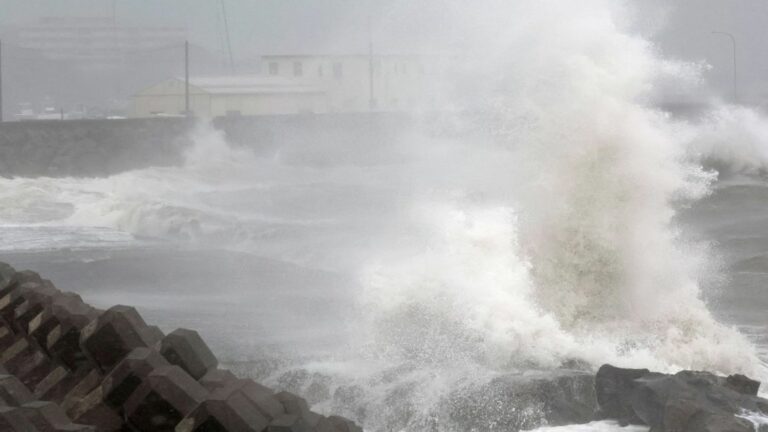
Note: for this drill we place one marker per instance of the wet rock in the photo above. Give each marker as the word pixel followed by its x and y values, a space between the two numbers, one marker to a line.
pixel 743 384
pixel 610 384
pixel 186 349
pixel 688 401
pixel 523 401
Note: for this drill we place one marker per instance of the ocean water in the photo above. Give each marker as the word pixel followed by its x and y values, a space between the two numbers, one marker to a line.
pixel 565 220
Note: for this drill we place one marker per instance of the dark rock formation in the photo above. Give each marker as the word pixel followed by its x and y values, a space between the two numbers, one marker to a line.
pixel 687 401
pixel 525 401
pixel 63 361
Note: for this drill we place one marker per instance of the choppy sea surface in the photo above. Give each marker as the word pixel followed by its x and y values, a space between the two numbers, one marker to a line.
pixel 264 258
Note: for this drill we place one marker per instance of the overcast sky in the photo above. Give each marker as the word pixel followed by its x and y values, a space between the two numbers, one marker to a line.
pixel 682 28
pixel 255 25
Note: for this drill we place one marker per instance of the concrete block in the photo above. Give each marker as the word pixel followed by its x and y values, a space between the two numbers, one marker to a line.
pixel 92 410
pixel 12 420
pixel 7 336
pixel 129 374
pixel 70 309
pixel 233 414
pixel 262 398
pixel 64 346
pixel 12 392
pixel 288 423
pixel 6 274
pixel 186 349
pixel 27 315
pixel 13 357
pixel 53 378
pixel 116 332
pixel 35 369
pixel 8 308
pixel 166 397
pixel 102 419
pixel 216 379
pixel 49 417
pixel 45 416
pixel 344 425
pixel 77 389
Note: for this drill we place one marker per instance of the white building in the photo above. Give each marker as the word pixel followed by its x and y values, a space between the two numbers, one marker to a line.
pixel 357 83
pixel 290 84
pixel 239 95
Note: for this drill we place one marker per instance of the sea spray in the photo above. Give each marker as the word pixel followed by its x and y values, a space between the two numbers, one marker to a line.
pixel 543 237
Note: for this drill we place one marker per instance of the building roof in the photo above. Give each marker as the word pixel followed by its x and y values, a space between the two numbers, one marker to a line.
pixel 376 54
pixel 251 84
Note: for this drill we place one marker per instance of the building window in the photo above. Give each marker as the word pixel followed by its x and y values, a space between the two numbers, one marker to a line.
pixel 274 68
pixel 338 71
pixel 298 69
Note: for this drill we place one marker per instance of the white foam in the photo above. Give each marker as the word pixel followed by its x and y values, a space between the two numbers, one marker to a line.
pixel 593 427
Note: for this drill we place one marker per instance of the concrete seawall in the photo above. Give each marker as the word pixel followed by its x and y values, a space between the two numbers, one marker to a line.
pixel 95 148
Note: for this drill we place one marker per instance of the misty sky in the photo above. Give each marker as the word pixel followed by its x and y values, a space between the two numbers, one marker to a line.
pixel 255 25
pixel 682 28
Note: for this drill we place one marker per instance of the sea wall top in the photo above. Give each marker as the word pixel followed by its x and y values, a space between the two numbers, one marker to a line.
pixel 96 148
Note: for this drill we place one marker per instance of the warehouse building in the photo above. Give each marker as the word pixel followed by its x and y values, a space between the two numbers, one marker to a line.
pixel 238 95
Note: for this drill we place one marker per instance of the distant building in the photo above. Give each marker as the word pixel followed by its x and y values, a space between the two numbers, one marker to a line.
pixel 290 84
pixel 92 41
pixel 238 95
pixel 356 83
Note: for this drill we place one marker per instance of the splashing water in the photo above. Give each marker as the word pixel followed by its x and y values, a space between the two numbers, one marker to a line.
pixel 551 239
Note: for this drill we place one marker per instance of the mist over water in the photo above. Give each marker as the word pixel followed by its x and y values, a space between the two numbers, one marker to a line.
pixel 544 234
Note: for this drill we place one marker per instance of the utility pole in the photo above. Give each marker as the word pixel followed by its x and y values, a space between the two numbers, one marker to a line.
pixel 186 78
pixel 226 33
pixel 1 81
pixel 113 12
pixel 371 96
pixel 735 73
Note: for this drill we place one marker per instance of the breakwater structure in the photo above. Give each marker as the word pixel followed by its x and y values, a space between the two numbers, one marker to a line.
pixel 66 366
pixel 100 147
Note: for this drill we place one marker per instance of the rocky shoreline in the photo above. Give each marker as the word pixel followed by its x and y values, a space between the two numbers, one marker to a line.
pixel 66 366
pixel 688 401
